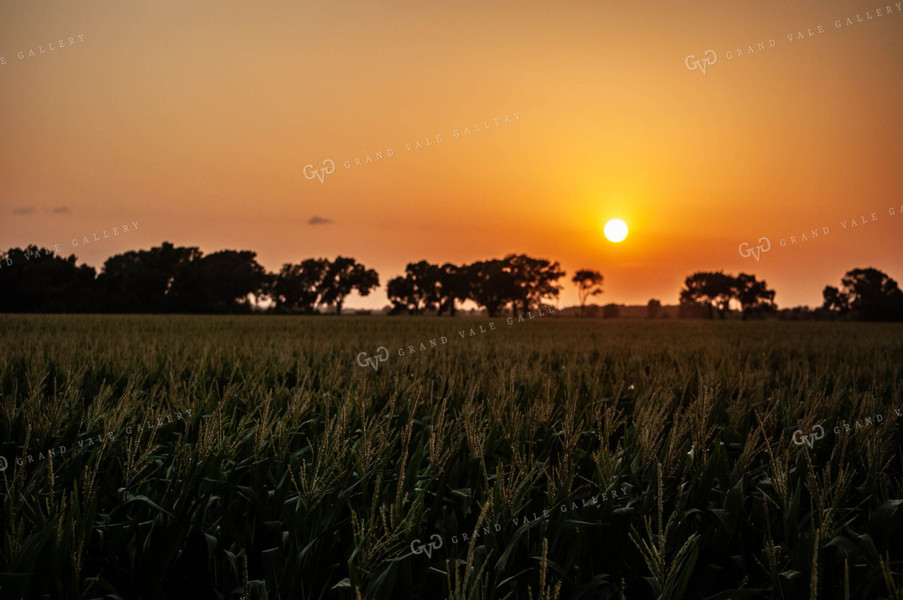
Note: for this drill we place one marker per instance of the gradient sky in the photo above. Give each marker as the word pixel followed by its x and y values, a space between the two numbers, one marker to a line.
pixel 197 118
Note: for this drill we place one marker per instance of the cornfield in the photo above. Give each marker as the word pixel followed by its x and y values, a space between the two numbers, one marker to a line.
pixel 267 458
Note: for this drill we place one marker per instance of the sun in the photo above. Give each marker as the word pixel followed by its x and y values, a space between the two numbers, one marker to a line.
pixel 615 230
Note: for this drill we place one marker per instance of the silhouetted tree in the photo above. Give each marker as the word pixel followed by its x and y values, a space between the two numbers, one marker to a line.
pixel 754 297
pixel 611 311
pixel 534 280
pixel 454 286
pixel 228 281
pixel 400 292
pixel 866 294
pixel 417 291
pixel 37 280
pixel 141 281
pixel 589 283
pixel 343 276
pixel 492 285
pixel 709 289
pixel 706 292
pixel 296 288
pixel 653 308
pixel 835 301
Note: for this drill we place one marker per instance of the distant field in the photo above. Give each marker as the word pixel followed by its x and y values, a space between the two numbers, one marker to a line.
pixel 270 464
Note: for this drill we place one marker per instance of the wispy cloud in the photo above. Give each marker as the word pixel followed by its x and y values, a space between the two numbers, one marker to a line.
pixel 315 220
pixel 60 209
pixel 23 210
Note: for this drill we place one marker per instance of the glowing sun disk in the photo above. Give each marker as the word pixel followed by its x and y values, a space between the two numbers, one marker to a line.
pixel 615 230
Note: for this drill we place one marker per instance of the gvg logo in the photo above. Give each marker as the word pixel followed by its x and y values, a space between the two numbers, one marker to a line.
pixel 693 63
pixel 419 548
pixel 756 252
pixel 328 168
pixel 373 361
pixel 818 432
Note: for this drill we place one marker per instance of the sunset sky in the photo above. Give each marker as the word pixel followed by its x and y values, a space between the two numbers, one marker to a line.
pixel 196 119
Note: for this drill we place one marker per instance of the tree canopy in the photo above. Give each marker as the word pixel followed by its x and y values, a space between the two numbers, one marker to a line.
pixel 174 279
pixel 711 293
pixel 589 283
pixel 867 295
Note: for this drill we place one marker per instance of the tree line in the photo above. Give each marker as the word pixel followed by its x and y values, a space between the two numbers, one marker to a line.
pixel 171 279
pixel 864 295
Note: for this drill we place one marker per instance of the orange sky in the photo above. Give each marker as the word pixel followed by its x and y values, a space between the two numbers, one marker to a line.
pixel 196 120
